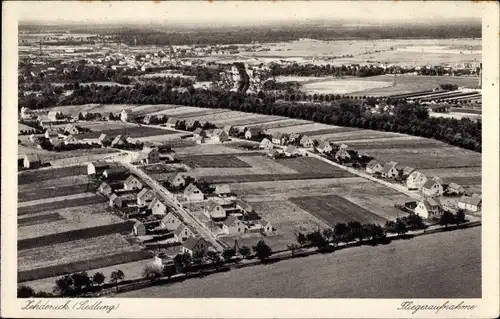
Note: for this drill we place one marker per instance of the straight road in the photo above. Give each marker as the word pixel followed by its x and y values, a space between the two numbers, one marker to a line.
pixel 168 197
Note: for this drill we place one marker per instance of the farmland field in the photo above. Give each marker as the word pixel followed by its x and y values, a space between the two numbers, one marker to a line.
pixel 71 251
pixel 386 271
pixel 218 160
pixel 134 131
pixel 39 219
pixel 51 173
pixel 309 165
pixel 47 192
pixel 334 209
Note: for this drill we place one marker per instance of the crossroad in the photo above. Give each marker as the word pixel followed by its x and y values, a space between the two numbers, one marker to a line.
pixel 170 199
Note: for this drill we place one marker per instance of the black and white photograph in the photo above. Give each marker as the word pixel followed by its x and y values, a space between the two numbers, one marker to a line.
pixel 222 149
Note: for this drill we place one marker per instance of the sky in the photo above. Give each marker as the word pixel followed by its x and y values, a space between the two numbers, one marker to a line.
pixel 236 12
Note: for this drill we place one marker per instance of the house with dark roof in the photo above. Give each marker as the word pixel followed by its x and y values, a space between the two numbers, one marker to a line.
pixel 176 180
pixel 243 206
pixel 122 200
pixel 390 170
pixel 193 194
pixel 233 226
pixel 214 211
pixel 219 136
pixel 407 171
pixel 132 183
pixel 342 154
pixel 432 188
pixel 182 233
pixel 104 140
pixel 115 173
pixel 294 138
pixel 470 203
pixel 195 246
pixel 32 161
pixel 105 189
pixel 150 155
pixel 253 132
pixel 373 167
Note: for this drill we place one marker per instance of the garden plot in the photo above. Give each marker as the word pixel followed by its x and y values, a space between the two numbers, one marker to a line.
pixel 78 159
pixel 199 116
pixel 241 118
pixel 343 86
pixel 71 219
pixel 60 182
pixel 130 131
pixel 37 193
pixel 265 164
pixel 87 202
pixel 334 209
pixel 227 176
pixel 72 251
pixel 308 165
pixel 254 121
pixel 331 130
pixel 21 204
pixel 104 125
pixel 450 173
pixel 215 161
pixel 212 116
pixel 394 143
pixel 357 135
pixel 205 149
pixel 142 110
pixel 40 175
pixel 39 219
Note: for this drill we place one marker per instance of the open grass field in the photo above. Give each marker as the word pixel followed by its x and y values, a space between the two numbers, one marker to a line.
pixel 47 192
pixel 335 209
pixel 39 219
pixel 40 175
pixel 217 160
pixel 386 271
pixel 71 251
pixel 89 204
pixel 309 165
pixel 343 86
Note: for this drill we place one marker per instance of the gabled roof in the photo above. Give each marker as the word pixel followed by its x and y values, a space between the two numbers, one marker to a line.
pixel 227 128
pixel 324 144
pixel 294 136
pixel 230 221
pixel 472 200
pixel 388 166
pixel 408 170
pixel 146 193
pixel 191 188
pixel 99 164
pixel 372 164
pixel 255 130
pixel 51 131
pixel 222 189
pixel 113 196
pixel 199 131
pixel 453 185
pixel 131 179
pixel 148 149
pixel 279 135
pixel 429 183
pixel 218 132
pixel 191 242
pixel 172 120
pixel 211 205
pixel 33 158
pixel 434 202
pixel 305 138
pixel 243 205
pixel 180 229
pixel 171 177
pixel 103 137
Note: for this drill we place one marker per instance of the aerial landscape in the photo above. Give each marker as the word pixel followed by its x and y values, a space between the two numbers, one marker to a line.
pixel 162 159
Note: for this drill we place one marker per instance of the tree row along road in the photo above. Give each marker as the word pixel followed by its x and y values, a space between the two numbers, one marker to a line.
pixel 161 191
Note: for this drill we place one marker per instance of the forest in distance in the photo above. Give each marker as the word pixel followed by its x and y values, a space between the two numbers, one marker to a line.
pixel 158 34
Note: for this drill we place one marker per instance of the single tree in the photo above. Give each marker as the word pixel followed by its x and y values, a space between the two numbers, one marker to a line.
pixel 182 262
pixel 245 251
pixel 98 278
pixel 446 219
pixel 64 286
pixel 81 281
pixel 301 239
pixel 25 291
pixel 117 276
pixel 400 227
pixel 262 250
pixel 356 230
pixel 169 271
pixel 228 254
pixel 460 217
pixel 215 259
pixel 317 239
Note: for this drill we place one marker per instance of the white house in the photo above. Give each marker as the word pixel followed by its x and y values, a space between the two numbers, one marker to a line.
pixel 266 144
pixel 193 193
pixel 214 211
pixel 373 167
pixel 233 226
pixel 307 141
pixel 132 183
pixel 279 138
pixel 71 129
pixel 470 203
pixel 253 132
pixel 219 136
pixel 176 180
pixel 432 188
pixel 150 155
pixel 124 116
pixel 415 180
pixel 428 208
pixel 455 189
pixel 222 190
pixel 324 147
pixel 145 197
pixel 389 170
